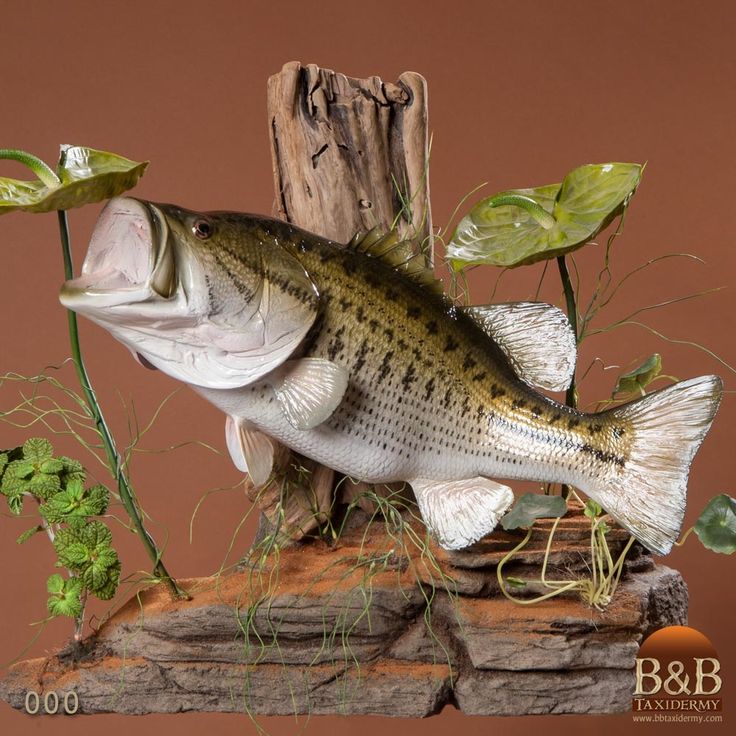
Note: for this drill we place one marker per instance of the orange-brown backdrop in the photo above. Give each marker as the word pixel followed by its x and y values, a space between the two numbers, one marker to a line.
pixel 519 94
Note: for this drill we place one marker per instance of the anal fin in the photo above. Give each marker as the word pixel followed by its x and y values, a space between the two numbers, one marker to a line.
pixel 250 449
pixel 460 512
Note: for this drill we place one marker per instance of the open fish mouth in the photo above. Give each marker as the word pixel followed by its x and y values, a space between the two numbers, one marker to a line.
pixel 129 259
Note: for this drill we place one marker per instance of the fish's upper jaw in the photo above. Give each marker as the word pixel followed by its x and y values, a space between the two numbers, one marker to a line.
pixel 129 259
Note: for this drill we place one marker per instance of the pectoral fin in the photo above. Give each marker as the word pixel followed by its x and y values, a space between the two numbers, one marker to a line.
pixel 309 390
pixel 537 339
pixel 460 512
pixel 250 449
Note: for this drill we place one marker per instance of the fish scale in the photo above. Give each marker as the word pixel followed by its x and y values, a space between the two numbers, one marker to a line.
pixel 485 423
pixel 340 353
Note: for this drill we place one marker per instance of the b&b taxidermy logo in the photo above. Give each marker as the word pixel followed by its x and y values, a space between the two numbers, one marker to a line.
pixel 677 670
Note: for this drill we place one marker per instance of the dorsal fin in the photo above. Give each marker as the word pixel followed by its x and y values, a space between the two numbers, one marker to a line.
pixel 399 254
pixel 537 339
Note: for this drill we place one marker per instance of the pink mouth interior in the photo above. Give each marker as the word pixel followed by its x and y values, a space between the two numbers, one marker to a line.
pixel 120 254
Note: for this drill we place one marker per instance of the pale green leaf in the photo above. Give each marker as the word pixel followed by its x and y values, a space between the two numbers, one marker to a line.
pixel 532 506
pixel 509 236
pixel 637 380
pixel 28 533
pixel 87 176
pixel 66 602
pixel 716 526
pixel 55 583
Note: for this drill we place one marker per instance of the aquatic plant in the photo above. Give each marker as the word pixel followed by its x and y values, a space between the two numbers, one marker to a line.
pixel 522 227
pixel 83 176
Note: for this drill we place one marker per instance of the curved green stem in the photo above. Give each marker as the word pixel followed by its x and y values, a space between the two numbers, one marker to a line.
pixel 36 165
pixel 572 315
pixel 113 457
pixel 540 215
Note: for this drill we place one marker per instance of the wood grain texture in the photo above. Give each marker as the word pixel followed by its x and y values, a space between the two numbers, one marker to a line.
pixel 350 154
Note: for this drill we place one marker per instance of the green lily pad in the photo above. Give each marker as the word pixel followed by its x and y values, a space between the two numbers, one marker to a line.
pixel 532 506
pixel 86 176
pixel 637 380
pixel 716 526
pixel 510 236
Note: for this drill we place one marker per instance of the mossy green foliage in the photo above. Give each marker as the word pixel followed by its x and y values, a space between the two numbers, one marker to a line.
pixel 66 506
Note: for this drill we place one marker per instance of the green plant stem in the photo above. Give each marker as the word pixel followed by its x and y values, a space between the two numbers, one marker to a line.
pixel 44 172
pixel 113 458
pixel 572 315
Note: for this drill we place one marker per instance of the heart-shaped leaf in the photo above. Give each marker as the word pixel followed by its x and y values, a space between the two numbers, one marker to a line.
pixel 532 506
pixel 637 380
pixel 716 526
pixel 86 175
pixel 509 235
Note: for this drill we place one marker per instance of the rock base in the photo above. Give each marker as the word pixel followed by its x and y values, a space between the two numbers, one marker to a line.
pixel 363 628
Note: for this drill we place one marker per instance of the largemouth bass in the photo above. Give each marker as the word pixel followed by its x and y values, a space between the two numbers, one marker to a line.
pixel 344 355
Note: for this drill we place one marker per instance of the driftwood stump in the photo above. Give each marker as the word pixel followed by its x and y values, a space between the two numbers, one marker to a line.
pixel 348 155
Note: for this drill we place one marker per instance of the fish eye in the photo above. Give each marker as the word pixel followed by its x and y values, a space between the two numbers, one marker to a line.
pixel 202 228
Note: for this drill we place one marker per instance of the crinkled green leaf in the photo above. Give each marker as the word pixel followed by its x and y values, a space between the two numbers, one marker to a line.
pixel 66 602
pixel 20 469
pixel 28 533
pixel 3 462
pixel 75 556
pixel 72 470
pixel 97 500
pixel 96 535
pixel 532 506
pixel 509 236
pixel 75 501
pixel 97 573
pixel 107 591
pixel 637 380
pixel 44 486
pixel 87 176
pixel 11 485
pixel 716 526
pixel 66 537
pixel 37 449
pixel 55 583
pixel 15 504
pixel 51 466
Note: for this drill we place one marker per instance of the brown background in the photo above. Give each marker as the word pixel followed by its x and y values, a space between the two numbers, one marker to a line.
pixel 519 94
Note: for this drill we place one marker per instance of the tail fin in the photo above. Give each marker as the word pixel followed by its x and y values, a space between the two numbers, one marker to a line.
pixel 647 494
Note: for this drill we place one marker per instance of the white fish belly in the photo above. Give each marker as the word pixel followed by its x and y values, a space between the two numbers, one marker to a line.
pixel 369 440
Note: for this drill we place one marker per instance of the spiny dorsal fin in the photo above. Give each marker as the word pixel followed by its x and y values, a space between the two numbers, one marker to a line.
pixel 537 339
pixel 399 254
